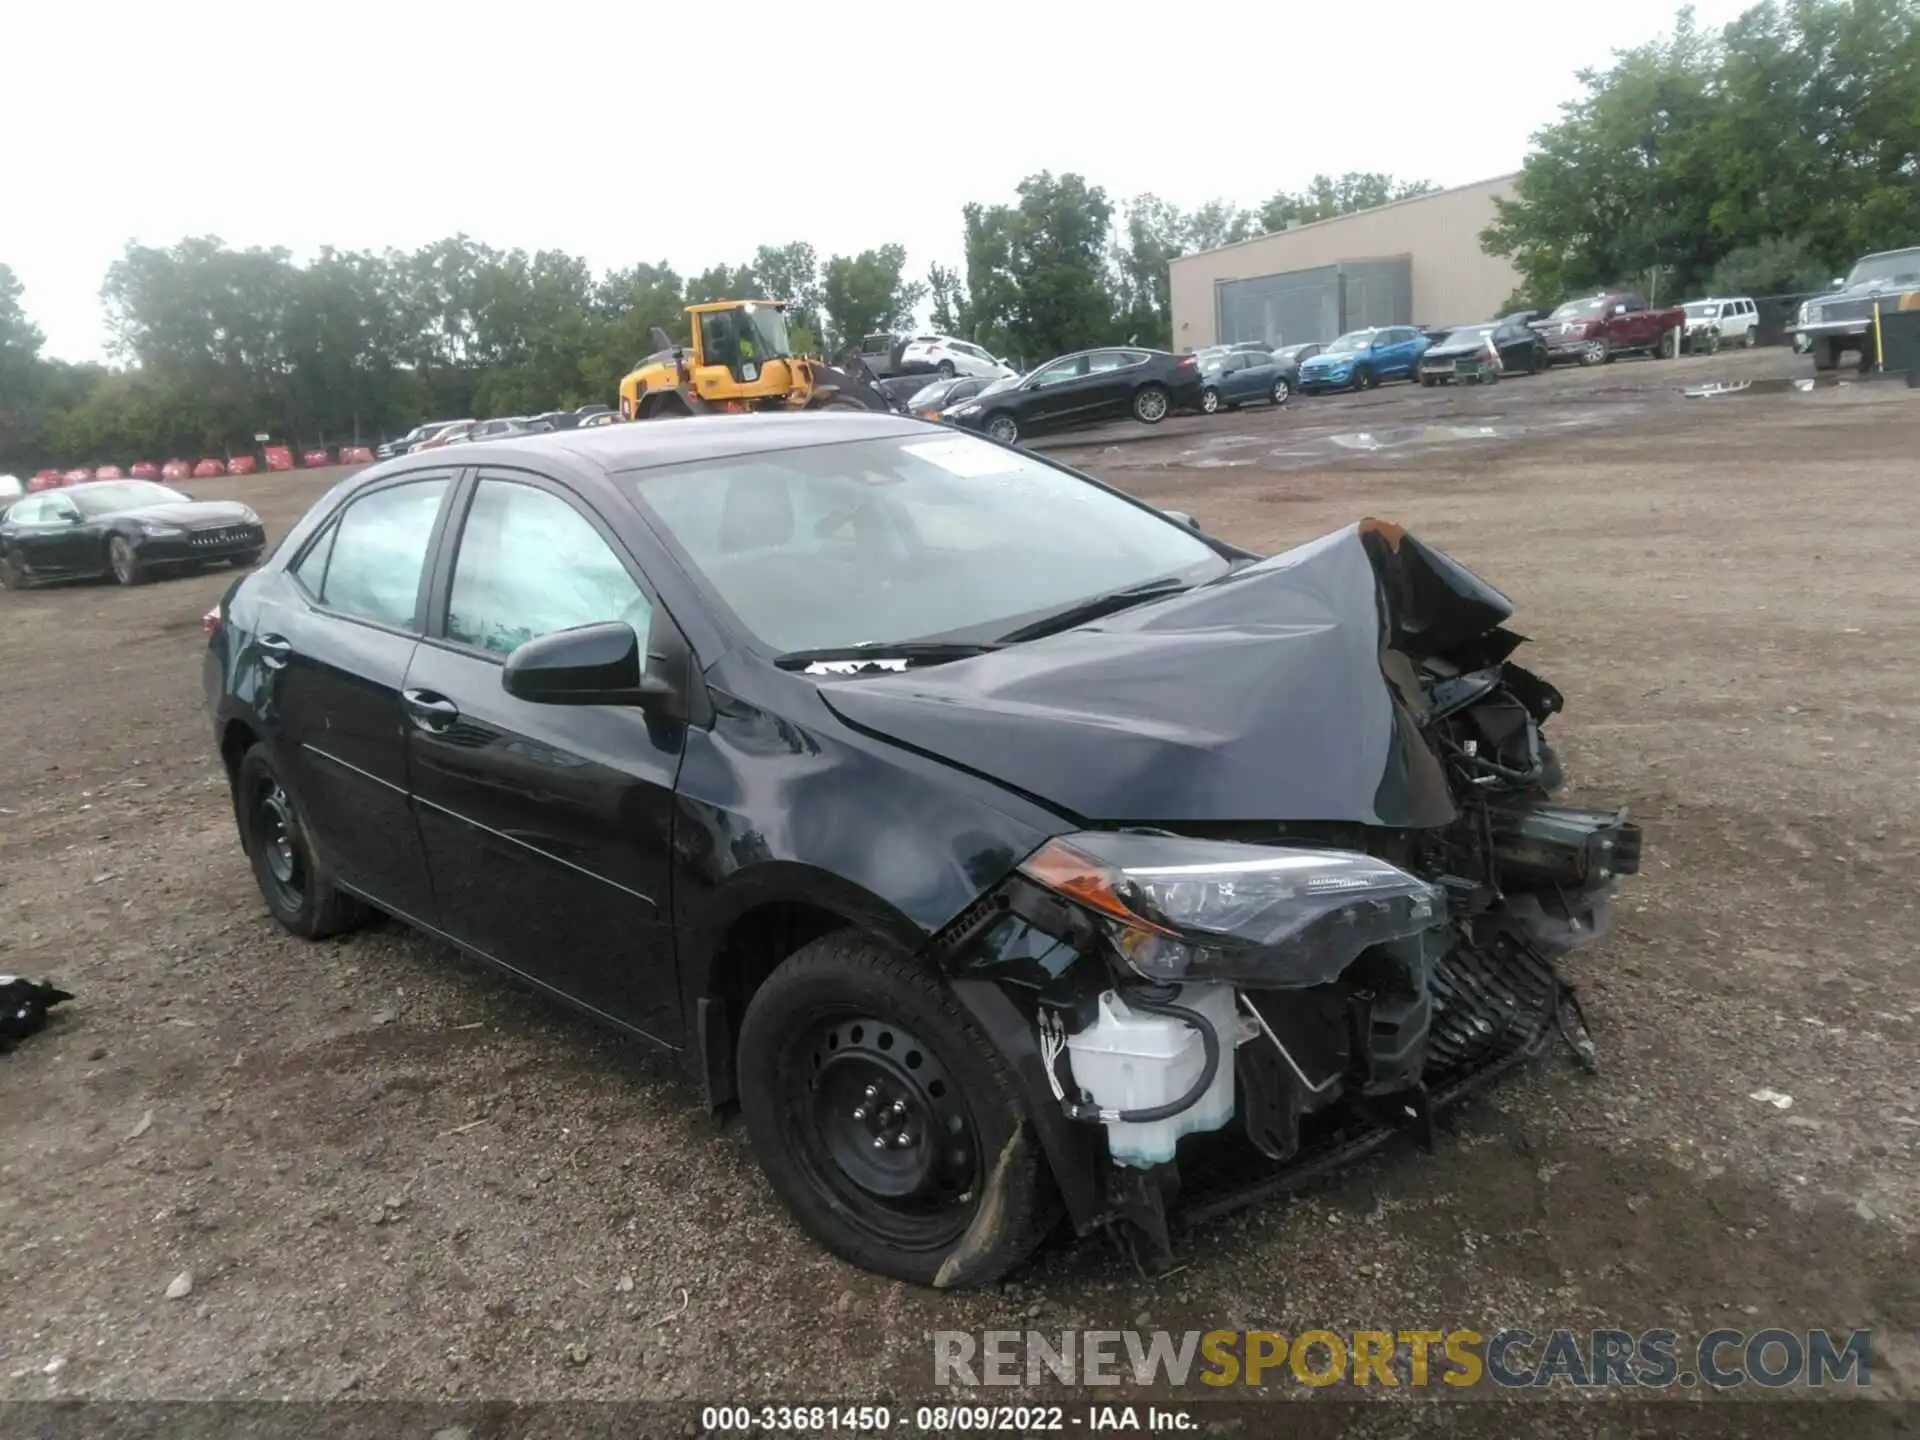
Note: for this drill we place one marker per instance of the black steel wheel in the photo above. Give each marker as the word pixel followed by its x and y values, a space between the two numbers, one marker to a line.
pixel 889 1126
pixel 300 897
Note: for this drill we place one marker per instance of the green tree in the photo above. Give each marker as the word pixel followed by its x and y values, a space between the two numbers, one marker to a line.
pixel 869 294
pixel 949 299
pixel 1327 196
pixel 1037 269
pixel 791 272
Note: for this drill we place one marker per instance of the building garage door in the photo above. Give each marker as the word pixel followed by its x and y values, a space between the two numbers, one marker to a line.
pixel 1317 304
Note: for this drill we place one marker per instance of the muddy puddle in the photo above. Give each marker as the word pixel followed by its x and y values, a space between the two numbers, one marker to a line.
pixel 1785 385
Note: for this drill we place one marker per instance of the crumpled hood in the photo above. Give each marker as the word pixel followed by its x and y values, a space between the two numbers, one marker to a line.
pixel 1283 692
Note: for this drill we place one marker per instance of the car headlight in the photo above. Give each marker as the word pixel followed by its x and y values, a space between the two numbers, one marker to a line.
pixel 247 517
pixel 970 408
pixel 158 531
pixel 1184 909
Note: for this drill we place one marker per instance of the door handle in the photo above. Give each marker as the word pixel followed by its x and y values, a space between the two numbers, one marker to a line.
pixel 274 650
pixel 429 710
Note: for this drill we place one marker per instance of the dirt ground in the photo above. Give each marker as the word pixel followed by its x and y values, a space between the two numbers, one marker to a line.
pixel 392 1175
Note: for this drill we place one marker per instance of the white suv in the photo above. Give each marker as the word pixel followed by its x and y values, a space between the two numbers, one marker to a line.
pixel 1737 320
pixel 947 356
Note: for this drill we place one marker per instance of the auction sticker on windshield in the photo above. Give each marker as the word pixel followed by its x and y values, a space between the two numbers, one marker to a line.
pixel 969 459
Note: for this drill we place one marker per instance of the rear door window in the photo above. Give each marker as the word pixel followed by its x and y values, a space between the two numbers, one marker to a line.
pixel 376 551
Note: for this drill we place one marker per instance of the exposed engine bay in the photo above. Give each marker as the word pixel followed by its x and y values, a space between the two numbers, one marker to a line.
pixel 1292 993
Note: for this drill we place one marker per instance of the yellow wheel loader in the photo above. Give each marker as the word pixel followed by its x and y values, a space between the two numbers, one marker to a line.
pixel 740 361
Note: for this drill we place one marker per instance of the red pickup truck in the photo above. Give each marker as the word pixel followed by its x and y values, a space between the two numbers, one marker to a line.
pixel 1596 328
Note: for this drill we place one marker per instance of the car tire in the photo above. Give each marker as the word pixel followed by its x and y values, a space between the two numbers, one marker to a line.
pixel 849 1038
pixel 274 837
pixel 944 370
pixel 123 564
pixel 1210 401
pixel 1365 379
pixel 1427 382
pixel 1596 352
pixel 1669 347
pixel 13 575
pixel 1749 338
pixel 1003 428
pixel 1151 404
pixel 1281 393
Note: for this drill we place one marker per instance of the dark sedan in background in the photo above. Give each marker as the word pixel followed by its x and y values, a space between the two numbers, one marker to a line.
pixel 128 529
pixel 1243 377
pixel 1522 352
pixel 1084 389
pixel 930 402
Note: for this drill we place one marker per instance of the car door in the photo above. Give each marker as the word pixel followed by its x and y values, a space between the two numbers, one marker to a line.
pixel 20 531
pixel 1109 386
pixel 330 647
pixel 548 828
pixel 63 543
pixel 1055 394
pixel 1255 377
pixel 1408 344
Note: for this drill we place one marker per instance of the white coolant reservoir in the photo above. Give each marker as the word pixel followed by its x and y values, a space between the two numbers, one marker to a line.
pixel 1134 1060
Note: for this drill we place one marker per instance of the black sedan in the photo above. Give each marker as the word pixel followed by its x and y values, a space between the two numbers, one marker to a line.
pixel 930 402
pixel 1084 389
pixel 1522 352
pixel 976 828
pixel 127 529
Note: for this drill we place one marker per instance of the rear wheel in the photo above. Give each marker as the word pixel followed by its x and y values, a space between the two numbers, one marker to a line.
pixel 1281 392
pixel 1670 344
pixel 945 369
pixel 300 897
pixel 890 1127
pixel 1004 428
pixel 1748 338
pixel 124 564
pixel 12 575
pixel 1210 400
pixel 1150 405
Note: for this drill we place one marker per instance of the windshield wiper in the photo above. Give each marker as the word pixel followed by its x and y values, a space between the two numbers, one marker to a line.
pixel 1093 609
pixel 915 651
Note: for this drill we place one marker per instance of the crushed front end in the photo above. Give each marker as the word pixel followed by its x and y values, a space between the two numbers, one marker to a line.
pixel 1209 1013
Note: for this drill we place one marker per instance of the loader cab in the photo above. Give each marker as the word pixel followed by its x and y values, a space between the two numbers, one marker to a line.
pixel 740 337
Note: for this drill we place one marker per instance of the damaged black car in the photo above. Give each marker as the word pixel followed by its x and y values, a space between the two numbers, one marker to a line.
pixel 1000 846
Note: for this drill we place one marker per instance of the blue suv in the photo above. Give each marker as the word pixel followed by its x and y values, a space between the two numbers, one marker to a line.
pixel 1361 359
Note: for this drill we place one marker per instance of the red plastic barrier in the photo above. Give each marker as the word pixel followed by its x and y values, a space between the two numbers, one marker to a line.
pixel 144 470
pixel 109 472
pixel 176 470
pixel 207 469
pixel 313 459
pixel 356 455
pixel 76 477
pixel 279 457
pixel 242 465
pixel 45 480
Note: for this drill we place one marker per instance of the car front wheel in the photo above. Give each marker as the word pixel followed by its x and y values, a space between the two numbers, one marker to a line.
pixel 13 575
pixel 888 1125
pixel 1003 428
pixel 1364 379
pixel 124 564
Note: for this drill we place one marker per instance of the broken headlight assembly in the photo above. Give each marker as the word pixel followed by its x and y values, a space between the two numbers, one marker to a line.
pixel 1184 910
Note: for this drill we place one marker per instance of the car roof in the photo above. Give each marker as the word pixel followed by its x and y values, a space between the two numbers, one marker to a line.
pixel 650 444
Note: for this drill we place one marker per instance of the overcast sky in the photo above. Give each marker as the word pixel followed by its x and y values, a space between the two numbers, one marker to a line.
pixel 628 133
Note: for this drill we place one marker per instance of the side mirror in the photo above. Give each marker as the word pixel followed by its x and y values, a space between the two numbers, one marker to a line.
pixel 587 665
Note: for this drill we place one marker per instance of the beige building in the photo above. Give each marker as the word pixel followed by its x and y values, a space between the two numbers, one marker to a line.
pixel 1414 262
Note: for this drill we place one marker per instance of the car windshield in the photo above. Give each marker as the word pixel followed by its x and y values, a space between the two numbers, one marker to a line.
pixel 1468 334
pixel 1005 382
pixel 1591 306
pixel 935 394
pixel 1703 310
pixel 1294 352
pixel 116 495
pixel 1347 344
pixel 1901 265
pixel 907 538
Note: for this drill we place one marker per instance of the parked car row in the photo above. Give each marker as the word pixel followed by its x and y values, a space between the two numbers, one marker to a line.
pixel 436 433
